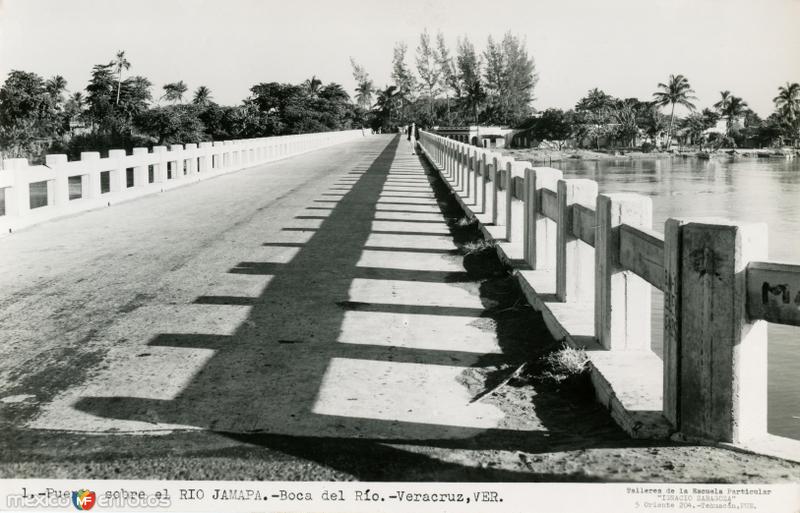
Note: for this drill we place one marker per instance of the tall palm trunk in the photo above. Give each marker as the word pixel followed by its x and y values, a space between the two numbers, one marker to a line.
pixel 669 131
pixel 119 83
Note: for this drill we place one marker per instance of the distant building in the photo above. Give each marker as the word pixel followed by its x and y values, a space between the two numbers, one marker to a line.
pixel 482 136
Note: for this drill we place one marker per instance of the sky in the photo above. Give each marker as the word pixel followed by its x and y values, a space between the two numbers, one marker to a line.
pixel 625 47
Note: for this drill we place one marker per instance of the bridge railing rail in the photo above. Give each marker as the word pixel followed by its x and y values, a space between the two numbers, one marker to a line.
pixel 604 257
pixel 32 194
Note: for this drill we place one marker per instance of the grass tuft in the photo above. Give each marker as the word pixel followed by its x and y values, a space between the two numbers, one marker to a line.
pixel 565 363
pixel 478 246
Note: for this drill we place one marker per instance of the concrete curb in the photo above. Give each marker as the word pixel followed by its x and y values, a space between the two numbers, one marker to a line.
pixel 637 412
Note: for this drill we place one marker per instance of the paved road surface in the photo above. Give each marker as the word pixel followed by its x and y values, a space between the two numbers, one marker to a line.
pixel 304 319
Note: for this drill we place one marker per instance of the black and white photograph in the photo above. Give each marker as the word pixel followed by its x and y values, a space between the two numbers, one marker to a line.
pixel 418 255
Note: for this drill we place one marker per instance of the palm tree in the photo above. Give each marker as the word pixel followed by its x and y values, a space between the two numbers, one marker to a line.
pixel 732 111
pixel 121 63
pixel 788 99
pixel 364 92
pixel 202 96
pixel 55 86
pixel 787 106
pixel 174 92
pixel 627 125
pixel 677 91
pixel 386 100
pixel 334 92
pixel 312 85
pixel 695 126
pixel 73 108
pixel 725 99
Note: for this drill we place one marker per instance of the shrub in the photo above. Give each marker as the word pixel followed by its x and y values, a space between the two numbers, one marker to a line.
pixel 647 147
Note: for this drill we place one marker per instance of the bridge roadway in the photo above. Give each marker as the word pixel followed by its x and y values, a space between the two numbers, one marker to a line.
pixel 304 319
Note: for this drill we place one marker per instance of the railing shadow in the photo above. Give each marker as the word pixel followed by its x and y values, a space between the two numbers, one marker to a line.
pixel 284 379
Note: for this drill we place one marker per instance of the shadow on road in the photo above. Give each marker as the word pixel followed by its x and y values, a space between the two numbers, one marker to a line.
pixel 331 364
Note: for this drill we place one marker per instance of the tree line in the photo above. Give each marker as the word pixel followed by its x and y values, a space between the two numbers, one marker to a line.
pixel 599 116
pixel 117 111
pixel 461 87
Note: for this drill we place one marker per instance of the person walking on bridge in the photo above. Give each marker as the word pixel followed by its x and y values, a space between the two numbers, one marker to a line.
pixel 412 138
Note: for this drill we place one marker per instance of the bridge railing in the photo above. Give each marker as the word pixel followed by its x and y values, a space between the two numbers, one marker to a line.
pixel 596 255
pixel 32 194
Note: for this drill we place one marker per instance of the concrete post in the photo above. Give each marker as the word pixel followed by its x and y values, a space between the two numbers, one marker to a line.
pixel 482 169
pixel 672 320
pixel 140 178
pixel 225 157
pixel 464 170
pixel 474 176
pixel 90 161
pixel 622 299
pixel 60 185
pixel 19 200
pixel 176 157
pixel 160 169
pixel 495 178
pixel 453 159
pixel 449 165
pixel 191 156
pixel 540 233
pixel 205 157
pixel 116 178
pixel 459 168
pixel 217 156
pixel 574 258
pixel 722 385
pixel 470 160
pixel 509 184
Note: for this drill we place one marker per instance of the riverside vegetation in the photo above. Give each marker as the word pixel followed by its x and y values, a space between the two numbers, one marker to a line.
pixel 453 87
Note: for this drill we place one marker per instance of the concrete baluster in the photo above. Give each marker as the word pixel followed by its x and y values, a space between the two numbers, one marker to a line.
pixel 451 165
pixel 446 160
pixel 206 152
pixel 160 169
pixel 574 258
pixel 496 177
pixel 19 196
pixel 116 175
pixel 515 168
pixel 509 185
pixel 480 192
pixel 474 176
pixel 540 233
pixel 622 299
pixel 176 158
pixel 60 184
pixel 720 380
pixel 468 166
pixel 90 161
pixel 140 174
pixel 464 169
pixel 218 154
pixel 191 157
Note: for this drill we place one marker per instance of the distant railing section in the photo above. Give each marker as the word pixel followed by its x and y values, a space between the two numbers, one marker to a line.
pixel 718 287
pixel 32 194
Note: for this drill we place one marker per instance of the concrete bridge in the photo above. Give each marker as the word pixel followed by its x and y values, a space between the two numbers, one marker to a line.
pixel 310 316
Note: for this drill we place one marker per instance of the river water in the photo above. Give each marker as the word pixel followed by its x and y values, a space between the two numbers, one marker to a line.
pixel 760 190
